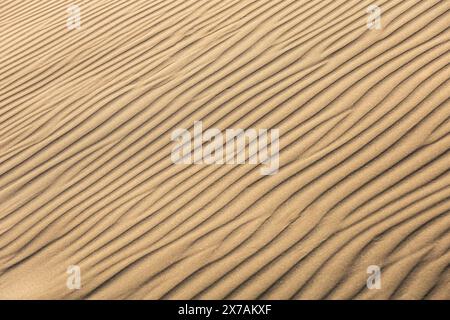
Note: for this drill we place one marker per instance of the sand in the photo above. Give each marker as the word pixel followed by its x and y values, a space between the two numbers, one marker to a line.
pixel 86 177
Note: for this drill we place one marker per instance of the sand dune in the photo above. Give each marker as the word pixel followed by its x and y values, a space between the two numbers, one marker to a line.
pixel 86 177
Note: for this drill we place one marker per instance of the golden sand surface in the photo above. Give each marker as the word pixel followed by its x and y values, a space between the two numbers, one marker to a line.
pixel 87 180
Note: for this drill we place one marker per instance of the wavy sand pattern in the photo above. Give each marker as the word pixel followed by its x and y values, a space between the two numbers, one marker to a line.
pixel 86 177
